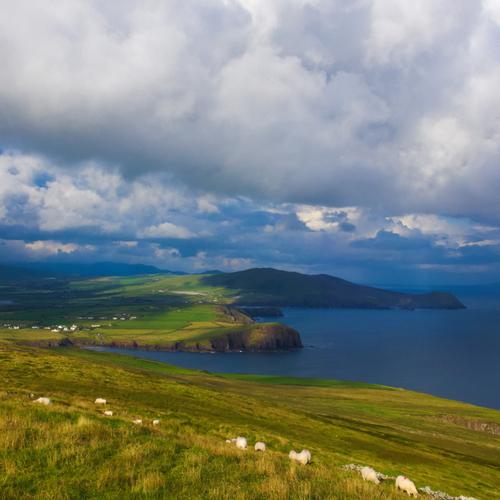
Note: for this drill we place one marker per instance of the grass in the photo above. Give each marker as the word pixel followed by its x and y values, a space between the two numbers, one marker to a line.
pixel 190 324
pixel 152 311
pixel 70 450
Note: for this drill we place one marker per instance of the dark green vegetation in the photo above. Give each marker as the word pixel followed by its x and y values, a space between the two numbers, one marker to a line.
pixel 151 311
pixel 271 287
pixel 187 312
pixel 71 450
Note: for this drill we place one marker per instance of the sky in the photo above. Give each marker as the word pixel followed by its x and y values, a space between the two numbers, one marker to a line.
pixel 359 138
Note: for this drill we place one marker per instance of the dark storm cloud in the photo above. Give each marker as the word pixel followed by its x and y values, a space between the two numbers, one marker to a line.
pixel 360 138
pixel 372 103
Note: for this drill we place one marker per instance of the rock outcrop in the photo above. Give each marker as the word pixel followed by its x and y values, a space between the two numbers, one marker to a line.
pixel 258 337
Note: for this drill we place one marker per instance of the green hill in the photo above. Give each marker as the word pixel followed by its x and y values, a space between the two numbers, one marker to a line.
pixel 71 450
pixel 272 287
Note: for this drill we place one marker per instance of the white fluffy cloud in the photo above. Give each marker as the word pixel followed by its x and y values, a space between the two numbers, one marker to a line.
pixel 165 230
pixel 92 213
pixel 197 134
pixel 374 103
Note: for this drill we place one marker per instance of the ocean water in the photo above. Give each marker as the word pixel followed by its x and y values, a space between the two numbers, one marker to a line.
pixel 453 354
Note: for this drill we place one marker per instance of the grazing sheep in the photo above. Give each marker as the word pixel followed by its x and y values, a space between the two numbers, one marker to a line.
pixel 241 443
pixel 43 401
pixel 368 474
pixel 304 457
pixel 108 413
pixel 156 422
pixel 137 421
pixel 404 484
pixel 260 446
pixel 229 440
pixel 100 401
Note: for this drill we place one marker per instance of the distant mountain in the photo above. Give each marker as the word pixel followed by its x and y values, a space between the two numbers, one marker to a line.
pixel 272 287
pixel 93 269
pixel 12 273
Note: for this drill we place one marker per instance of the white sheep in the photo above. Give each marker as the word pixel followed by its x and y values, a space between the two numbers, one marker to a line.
pixel 304 457
pixel 368 474
pixel 156 422
pixel 404 484
pixel 260 446
pixel 100 401
pixel 137 421
pixel 229 440
pixel 108 413
pixel 241 443
pixel 43 401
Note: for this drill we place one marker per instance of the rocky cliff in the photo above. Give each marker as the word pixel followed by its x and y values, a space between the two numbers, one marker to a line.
pixel 258 337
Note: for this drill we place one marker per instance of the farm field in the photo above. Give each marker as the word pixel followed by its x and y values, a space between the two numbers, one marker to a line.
pixel 155 311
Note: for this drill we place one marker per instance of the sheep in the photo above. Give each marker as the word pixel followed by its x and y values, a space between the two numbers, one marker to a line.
pixel 241 443
pixel 229 441
pixel 108 413
pixel 404 484
pixel 100 401
pixel 43 401
pixel 260 446
pixel 156 422
pixel 369 474
pixel 137 421
pixel 304 457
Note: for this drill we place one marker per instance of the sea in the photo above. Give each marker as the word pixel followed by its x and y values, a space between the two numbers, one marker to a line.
pixel 449 353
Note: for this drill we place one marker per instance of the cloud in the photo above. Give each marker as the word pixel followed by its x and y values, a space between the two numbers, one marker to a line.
pixel 360 138
pixel 92 213
pixel 375 103
pixel 49 247
pixel 165 230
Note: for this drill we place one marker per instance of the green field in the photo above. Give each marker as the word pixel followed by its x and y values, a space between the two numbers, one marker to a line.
pixel 151 311
pixel 71 450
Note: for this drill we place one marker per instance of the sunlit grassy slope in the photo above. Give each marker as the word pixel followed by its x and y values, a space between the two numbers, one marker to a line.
pixel 151 311
pixel 71 450
pixel 189 324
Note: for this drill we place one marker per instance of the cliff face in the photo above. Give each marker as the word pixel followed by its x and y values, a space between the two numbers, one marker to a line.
pixel 258 337
pixel 246 337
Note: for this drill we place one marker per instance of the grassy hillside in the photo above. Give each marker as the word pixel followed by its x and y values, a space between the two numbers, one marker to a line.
pixel 71 450
pixel 281 288
pixel 161 312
